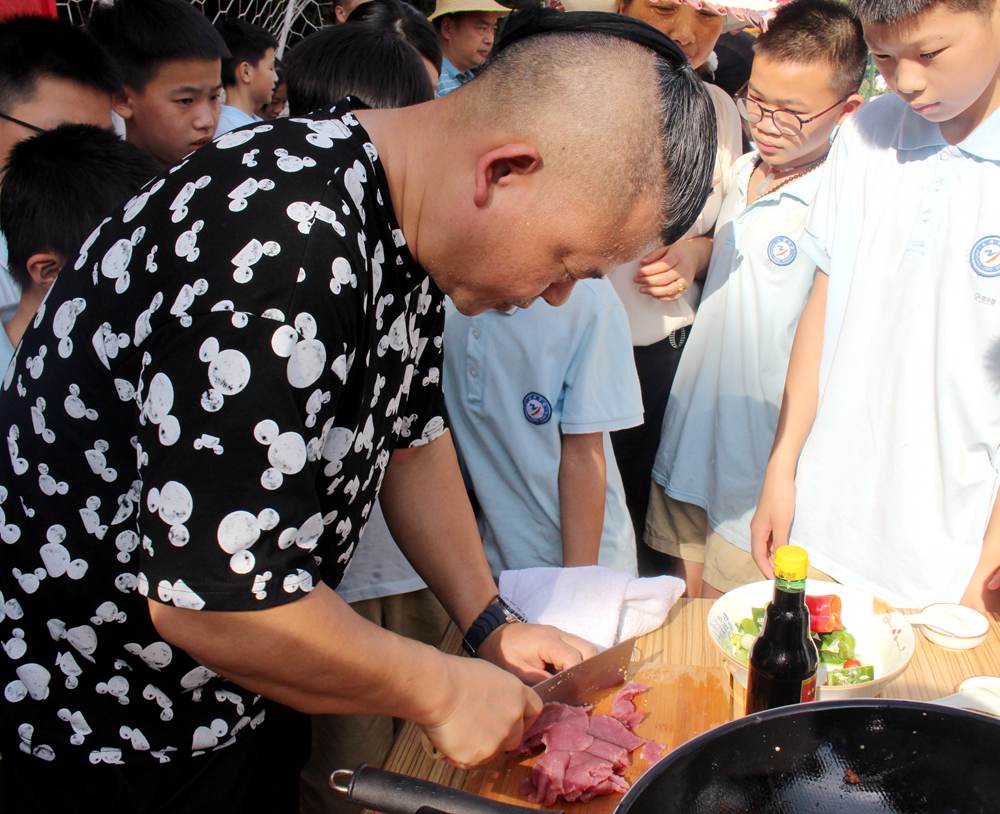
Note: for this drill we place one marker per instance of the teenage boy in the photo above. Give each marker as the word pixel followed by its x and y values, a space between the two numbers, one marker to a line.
pixel 170 57
pixel 532 394
pixel 50 73
pixel 886 449
pixel 248 74
pixel 723 406
pixel 466 29
pixel 57 187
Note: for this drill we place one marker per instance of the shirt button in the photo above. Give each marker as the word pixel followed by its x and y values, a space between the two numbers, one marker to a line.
pixel 473 371
pixel 944 155
pixel 476 333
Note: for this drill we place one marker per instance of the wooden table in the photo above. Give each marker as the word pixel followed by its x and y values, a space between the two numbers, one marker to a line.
pixel 684 641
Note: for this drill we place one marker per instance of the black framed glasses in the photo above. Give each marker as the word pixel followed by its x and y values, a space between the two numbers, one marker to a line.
pixel 786 122
pixel 22 123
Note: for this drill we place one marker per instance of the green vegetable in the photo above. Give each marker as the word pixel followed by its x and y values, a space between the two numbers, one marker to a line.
pixel 836 647
pixel 852 675
pixel 747 630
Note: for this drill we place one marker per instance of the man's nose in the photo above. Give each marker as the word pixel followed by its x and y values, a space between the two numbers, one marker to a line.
pixel 558 293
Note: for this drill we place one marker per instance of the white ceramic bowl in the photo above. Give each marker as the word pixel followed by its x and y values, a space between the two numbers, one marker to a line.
pixel 968 627
pixel 884 640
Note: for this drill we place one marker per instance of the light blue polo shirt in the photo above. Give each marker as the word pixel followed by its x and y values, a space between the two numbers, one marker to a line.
pixel 899 474
pixel 10 294
pixel 232 117
pixel 513 384
pixel 452 78
pixel 723 409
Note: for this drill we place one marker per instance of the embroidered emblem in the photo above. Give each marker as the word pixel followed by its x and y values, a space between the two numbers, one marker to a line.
pixel 537 408
pixel 782 251
pixel 985 256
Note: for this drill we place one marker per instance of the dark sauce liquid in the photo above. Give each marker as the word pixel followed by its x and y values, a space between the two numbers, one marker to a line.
pixel 783 661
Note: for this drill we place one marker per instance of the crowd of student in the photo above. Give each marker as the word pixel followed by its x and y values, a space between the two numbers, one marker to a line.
pixel 656 348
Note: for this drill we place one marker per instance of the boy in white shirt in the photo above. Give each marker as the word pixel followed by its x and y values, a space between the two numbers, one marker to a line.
pixel 249 74
pixel 888 444
pixel 532 395
pixel 723 405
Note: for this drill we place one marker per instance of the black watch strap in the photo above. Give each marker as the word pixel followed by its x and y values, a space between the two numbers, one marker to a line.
pixel 498 613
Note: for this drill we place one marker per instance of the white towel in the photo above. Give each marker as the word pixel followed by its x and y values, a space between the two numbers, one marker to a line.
pixel 594 603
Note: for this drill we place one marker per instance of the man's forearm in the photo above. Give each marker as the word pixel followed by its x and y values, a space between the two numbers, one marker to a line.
pixel 428 512
pixel 582 485
pixel 801 396
pixel 315 655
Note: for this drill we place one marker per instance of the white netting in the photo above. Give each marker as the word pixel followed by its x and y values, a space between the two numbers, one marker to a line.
pixel 288 20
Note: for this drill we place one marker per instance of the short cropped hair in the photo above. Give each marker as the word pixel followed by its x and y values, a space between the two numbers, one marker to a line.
pixel 246 43
pixel 894 11
pixel 403 18
pixel 58 186
pixel 807 31
pixel 143 34
pixel 377 67
pixel 36 47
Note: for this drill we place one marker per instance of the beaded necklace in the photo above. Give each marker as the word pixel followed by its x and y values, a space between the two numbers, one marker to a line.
pixel 764 185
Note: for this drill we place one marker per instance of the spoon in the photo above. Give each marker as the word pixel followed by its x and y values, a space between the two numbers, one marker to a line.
pixel 953 626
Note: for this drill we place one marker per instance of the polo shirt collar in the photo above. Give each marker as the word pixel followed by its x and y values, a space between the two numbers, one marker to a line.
pixel 916 133
pixel 803 189
pixel 449 70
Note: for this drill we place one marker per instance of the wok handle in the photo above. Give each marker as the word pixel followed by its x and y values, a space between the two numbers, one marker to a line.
pixel 393 793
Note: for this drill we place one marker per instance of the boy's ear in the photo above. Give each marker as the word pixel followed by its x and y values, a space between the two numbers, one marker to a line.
pixel 244 71
pixel 854 101
pixel 121 103
pixel 502 166
pixel 44 267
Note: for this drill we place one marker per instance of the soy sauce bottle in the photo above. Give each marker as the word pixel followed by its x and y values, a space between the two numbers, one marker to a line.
pixel 783 661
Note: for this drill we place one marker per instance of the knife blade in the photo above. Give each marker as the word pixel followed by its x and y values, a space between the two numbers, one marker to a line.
pixel 576 685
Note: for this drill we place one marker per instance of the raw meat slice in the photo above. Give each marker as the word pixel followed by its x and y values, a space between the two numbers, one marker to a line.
pixel 617 755
pixel 623 707
pixel 568 735
pixel 613 731
pixel 551 714
pixel 652 751
pixel 547 777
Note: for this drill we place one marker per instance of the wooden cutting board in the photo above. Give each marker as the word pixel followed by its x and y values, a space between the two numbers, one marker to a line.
pixel 682 702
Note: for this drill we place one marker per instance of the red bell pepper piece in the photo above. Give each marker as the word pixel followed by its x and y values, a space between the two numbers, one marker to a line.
pixel 824 613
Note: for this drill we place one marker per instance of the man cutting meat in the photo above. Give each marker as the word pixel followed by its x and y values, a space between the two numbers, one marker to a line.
pixel 242 359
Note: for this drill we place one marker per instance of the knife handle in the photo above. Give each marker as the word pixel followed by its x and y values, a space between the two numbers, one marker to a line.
pixel 392 793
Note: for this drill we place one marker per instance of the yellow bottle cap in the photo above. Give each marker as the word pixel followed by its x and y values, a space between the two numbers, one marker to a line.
pixel 791 563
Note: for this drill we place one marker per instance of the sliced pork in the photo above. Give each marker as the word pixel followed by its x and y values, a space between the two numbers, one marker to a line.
pixel 623 707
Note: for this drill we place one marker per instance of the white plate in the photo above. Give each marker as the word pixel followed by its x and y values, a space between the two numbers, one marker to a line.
pixel 884 640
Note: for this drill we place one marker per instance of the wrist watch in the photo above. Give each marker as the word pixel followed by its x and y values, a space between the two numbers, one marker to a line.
pixel 498 613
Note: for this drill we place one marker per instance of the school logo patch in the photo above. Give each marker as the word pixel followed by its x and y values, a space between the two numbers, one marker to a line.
pixel 782 251
pixel 537 408
pixel 985 256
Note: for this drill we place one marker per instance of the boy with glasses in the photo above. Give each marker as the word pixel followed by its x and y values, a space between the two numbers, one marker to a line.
pixel 723 407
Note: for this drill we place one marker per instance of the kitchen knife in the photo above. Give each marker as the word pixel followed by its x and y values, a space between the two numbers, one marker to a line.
pixel 577 685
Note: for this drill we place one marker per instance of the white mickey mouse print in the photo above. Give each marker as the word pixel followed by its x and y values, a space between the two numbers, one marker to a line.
pixel 351 490
pixel 185 299
pixel 36 364
pixel 240 319
pixel 107 754
pixel 156 655
pixel 395 339
pixel 306 214
pixel 186 245
pixel 194 680
pixel 238 197
pixel 77 723
pixel 108 612
pixel 250 255
pixel 286 452
pixel 151 693
pixel 212 442
pixel 63 322
pixel 433 377
pixel 91 519
pixel 298 581
pixel 325 133
pixel 9 533
pixel 115 263
pixel 98 462
pixel 237 138
pixel 342 274
pixel 32 681
pixel 136 204
pixel 108 344
pixel 432 429
pixel 151 266
pixel 228 373
pixel 179 206
pixel 305 353
pixel 378 258
pixel 336 445
pixel 179 594
pixel 29 581
pixel 38 421
pixel 259 588
pixel 239 531
pixel 314 404
pixel 15 647
pixel 75 408
pixel 371 151
pixel 126 542
pixel 18 464
pixel 208 737
pixel 344 529
pixel 48 484
pixel 139 741
pixel 377 390
pixel 305 537
pixel 70 668
pixel 144 323
pixel 117 687
pixel 82 256
pixel 250 158
pixel 292 163
pixel 174 505
pixel 127 503
pixel 56 557
pixel 355 178
pixel 380 307
pixel 26 732
pixel 231 698
pixel 82 638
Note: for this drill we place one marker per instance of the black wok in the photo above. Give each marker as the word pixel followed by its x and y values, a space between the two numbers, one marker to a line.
pixel 866 755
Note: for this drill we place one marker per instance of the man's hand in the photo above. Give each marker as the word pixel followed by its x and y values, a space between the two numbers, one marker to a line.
pixel 484 712
pixel 772 521
pixel 526 650
pixel 669 272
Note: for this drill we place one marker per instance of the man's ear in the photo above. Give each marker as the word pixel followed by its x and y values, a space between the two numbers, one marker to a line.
pixel 500 166
pixel 447 27
pixel 340 13
pixel 44 267
pixel 854 101
pixel 121 103
pixel 244 71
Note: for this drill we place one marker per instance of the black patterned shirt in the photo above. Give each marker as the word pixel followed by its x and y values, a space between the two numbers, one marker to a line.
pixel 202 413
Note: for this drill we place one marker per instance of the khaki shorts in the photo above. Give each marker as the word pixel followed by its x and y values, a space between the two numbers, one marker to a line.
pixel 681 530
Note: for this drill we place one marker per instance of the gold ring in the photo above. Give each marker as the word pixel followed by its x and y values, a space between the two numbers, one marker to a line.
pixel 681 286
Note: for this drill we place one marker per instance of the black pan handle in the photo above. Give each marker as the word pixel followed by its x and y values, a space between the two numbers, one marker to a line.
pixel 393 793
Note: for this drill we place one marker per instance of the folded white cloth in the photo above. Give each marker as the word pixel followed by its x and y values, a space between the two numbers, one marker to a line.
pixel 595 603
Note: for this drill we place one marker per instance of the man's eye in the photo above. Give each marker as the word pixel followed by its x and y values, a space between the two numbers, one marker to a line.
pixel 880 57
pixel 185 101
pixel 931 54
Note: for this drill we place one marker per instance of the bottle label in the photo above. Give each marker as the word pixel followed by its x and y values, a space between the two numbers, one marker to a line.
pixel 808 692
pixel 791 585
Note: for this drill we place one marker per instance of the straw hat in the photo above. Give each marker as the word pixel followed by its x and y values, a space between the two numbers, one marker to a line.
pixel 457 6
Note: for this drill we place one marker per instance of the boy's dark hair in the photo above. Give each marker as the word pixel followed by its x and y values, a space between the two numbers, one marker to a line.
pixel 246 42
pixel 399 16
pixel 818 31
pixel 143 34
pixel 892 11
pixel 33 47
pixel 378 67
pixel 58 186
